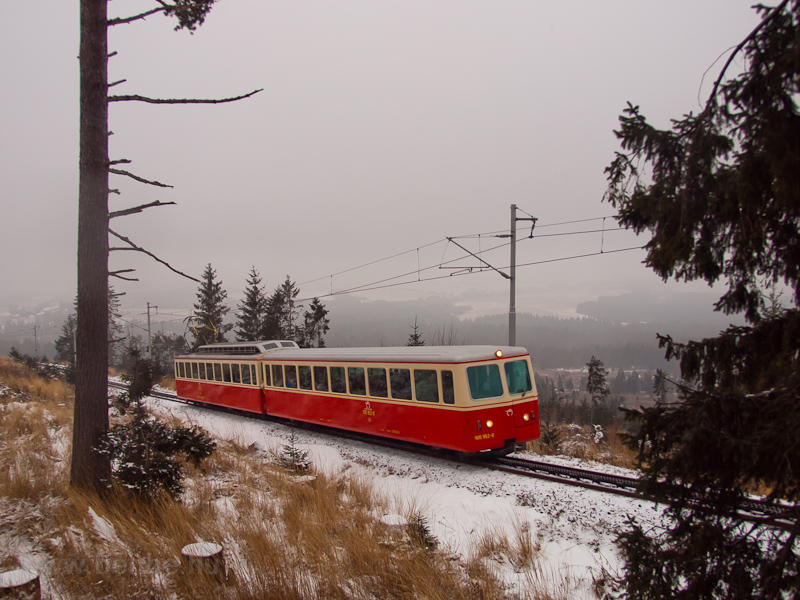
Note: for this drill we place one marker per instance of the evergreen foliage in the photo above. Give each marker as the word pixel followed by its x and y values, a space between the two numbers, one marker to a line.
pixel 294 459
pixel 721 200
pixel 252 314
pixel 315 325
pixel 165 347
pixel 415 337
pixel 65 342
pixel 210 310
pixel 147 456
pixel 596 384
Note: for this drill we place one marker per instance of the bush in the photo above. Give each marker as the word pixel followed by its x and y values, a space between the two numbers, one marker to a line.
pixel 148 456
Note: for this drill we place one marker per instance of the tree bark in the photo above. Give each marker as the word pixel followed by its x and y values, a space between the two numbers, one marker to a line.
pixel 88 469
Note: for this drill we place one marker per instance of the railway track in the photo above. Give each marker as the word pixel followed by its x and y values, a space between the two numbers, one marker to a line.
pixel 754 510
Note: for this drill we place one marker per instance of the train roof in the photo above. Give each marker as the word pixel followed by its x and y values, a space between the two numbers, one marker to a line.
pixel 410 354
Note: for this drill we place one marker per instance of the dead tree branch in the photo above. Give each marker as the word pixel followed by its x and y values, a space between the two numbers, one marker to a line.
pixel 134 247
pixel 136 98
pixel 121 161
pixel 139 179
pixel 118 276
pixel 137 209
pixel 131 19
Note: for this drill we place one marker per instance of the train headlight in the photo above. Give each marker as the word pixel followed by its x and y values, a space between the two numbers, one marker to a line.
pixel 499 354
pixel 489 423
pixel 526 417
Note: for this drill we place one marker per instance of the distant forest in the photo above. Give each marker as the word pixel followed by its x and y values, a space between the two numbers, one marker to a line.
pixel 553 342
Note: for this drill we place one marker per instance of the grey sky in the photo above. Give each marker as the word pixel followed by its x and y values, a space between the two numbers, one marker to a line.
pixel 383 127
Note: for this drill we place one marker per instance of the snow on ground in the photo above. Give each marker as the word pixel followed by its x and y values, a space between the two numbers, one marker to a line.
pixel 573 527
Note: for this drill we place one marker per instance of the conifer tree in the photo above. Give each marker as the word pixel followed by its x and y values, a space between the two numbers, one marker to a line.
pixel 315 324
pixel 252 314
pixel 283 311
pixel 65 343
pixel 719 193
pixel 596 384
pixel 415 338
pixel 210 310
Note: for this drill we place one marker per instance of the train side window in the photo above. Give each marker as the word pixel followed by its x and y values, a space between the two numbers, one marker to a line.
pixel 202 367
pixel 484 382
pixel 321 379
pixel 246 374
pixel 338 381
pixel 267 378
pixel 181 370
pixel 518 377
pixel 448 392
pixel 291 376
pixel 209 371
pixel 194 370
pixel 235 374
pixel 277 375
pixel 304 376
pixel 226 373
pixel 217 372
pixel 358 384
pixel 377 382
pixel 253 375
pixel 426 385
pixel 400 381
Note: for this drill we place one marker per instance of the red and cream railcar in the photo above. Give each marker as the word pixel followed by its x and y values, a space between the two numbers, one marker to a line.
pixel 463 398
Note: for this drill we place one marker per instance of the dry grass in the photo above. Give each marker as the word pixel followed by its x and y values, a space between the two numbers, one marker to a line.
pixel 284 536
pixel 579 442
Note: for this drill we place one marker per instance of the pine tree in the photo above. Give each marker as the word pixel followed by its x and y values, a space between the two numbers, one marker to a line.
pixel 252 314
pixel 65 343
pixel 315 324
pixel 210 311
pixel 283 311
pixel 719 192
pixel 596 384
pixel 415 338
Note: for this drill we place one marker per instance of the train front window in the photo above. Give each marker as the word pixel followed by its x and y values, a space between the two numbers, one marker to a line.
pixel 277 375
pixel 338 381
pixel 447 388
pixel 358 384
pixel 304 375
pixel 291 376
pixel 400 382
pixel 484 382
pixel 181 370
pixel 321 379
pixel 426 385
pixel 517 377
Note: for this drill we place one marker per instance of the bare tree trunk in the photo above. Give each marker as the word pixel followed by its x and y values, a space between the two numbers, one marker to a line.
pixel 91 383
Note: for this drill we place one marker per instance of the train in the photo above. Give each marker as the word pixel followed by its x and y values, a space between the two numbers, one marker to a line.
pixel 471 400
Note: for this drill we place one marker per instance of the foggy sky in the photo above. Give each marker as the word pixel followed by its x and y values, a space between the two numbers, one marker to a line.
pixel 383 127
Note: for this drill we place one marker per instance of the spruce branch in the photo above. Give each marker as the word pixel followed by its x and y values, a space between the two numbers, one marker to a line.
pixel 137 209
pixel 134 248
pixel 139 179
pixel 136 98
